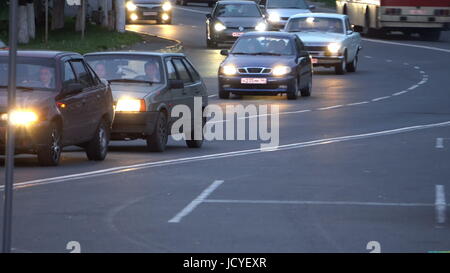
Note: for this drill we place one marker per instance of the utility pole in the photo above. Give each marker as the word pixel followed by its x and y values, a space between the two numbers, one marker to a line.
pixel 9 163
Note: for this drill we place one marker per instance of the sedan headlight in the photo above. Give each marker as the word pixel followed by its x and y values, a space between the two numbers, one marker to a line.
pixel 131 6
pixel 261 27
pixel 334 47
pixel 130 105
pixel 281 70
pixel 229 70
pixel 21 117
pixel 274 17
pixel 167 6
pixel 219 26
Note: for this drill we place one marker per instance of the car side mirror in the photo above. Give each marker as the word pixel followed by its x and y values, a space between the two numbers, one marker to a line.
pixel 312 7
pixel 72 88
pixel 349 32
pixel 176 84
pixel 224 52
pixel 208 16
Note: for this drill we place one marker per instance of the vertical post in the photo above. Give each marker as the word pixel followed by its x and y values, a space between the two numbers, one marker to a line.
pixel 83 18
pixel 46 22
pixel 9 164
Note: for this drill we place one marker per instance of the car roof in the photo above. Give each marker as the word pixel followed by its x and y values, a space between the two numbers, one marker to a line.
pixel 270 34
pixel 134 53
pixel 236 2
pixel 40 53
pixel 320 15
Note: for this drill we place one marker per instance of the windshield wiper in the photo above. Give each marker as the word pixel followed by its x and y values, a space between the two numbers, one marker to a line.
pixel 20 87
pixel 267 53
pixel 240 53
pixel 130 80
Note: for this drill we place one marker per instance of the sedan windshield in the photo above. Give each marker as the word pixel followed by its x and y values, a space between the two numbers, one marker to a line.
pixel 127 68
pixel 263 46
pixel 237 10
pixel 32 73
pixel 305 24
pixel 286 4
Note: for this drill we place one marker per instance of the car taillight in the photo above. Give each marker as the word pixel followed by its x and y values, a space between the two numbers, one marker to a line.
pixel 442 12
pixel 392 11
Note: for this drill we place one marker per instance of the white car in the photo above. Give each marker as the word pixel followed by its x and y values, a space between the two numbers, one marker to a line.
pixel 329 38
pixel 279 11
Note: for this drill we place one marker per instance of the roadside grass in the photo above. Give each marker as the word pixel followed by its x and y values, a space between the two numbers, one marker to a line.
pixel 328 3
pixel 96 38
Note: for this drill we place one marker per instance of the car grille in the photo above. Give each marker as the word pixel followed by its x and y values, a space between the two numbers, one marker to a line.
pixel 244 28
pixel 254 70
pixel 316 48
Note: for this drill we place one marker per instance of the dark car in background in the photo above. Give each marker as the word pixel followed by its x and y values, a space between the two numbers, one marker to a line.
pixel 231 19
pixel 142 10
pixel 185 2
pixel 266 63
pixel 60 102
pixel 146 87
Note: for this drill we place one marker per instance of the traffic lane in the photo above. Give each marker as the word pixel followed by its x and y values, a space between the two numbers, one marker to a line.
pixel 130 211
pixel 444 41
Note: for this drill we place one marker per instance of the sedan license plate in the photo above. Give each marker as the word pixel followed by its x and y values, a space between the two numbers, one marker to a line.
pixel 237 34
pixel 150 13
pixel 254 81
pixel 418 12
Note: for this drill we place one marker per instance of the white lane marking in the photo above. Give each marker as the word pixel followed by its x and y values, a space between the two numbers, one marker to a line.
pixel 128 168
pixel 389 61
pixel 408 45
pixel 413 87
pixel 381 98
pixel 440 204
pixel 368 57
pixel 330 107
pixel 417 67
pixel 422 72
pixel 357 103
pixel 300 202
pixel 212 96
pixel 439 143
pixel 400 93
pixel 197 201
pixel 193 10
pixel 406 63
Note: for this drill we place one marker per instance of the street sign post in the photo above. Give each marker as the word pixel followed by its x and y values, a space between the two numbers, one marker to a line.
pixel 9 163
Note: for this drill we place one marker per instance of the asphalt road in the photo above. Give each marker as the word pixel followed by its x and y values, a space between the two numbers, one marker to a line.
pixel 364 159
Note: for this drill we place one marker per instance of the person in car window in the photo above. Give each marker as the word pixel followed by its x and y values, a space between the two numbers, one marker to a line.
pixel 100 69
pixel 151 69
pixel 46 77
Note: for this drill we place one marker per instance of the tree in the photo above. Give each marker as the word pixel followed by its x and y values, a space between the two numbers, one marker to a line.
pixel 120 15
pixel 58 14
pixel 23 36
pixel 31 19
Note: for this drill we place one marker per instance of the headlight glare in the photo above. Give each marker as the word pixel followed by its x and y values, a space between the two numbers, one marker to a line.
pixel 229 70
pixel 131 6
pixel 167 6
pixel 219 26
pixel 261 27
pixel 130 105
pixel 281 70
pixel 274 17
pixel 21 117
pixel 334 47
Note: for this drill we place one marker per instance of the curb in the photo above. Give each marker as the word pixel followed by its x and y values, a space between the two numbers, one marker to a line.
pixel 177 47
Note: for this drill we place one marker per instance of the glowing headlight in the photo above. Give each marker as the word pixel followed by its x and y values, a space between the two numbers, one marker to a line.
pixel 219 26
pixel 274 17
pixel 229 70
pixel 130 105
pixel 21 118
pixel 133 17
pixel 334 47
pixel 165 16
pixel 261 27
pixel 167 6
pixel 281 70
pixel 131 6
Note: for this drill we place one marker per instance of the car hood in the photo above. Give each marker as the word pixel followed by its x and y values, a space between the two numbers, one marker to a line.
pixel 258 60
pixel 133 90
pixel 288 12
pixel 148 5
pixel 28 99
pixel 240 21
pixel 319 38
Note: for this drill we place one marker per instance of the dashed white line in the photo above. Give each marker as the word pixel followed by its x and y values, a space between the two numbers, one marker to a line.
pixel 381 98
pixel 416 67
pixel 408 45
pixel 440 205
pixel 357 103
pixel 212 96
pixel 439 143
pixel 413 87
pixel 193 10
pixel 389 61
pixel 197 201
pixel 400 93
pixel 330 107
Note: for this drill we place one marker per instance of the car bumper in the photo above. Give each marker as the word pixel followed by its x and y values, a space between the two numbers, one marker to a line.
pixel 327 60
pixel 27 139
pixel 133 125
pixel 275 85
pixel 143 14
pixel 226 36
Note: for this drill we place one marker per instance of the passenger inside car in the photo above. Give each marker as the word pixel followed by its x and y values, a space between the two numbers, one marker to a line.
pixel 46 77
pixel 151 69
pixel 100 69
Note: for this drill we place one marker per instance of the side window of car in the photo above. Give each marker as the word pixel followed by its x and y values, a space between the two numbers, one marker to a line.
pixel 69 75
pixel 299 45
pixel 83 76
pixel 347 25
pixel 194 74
pixel 95 78
pixel 171 73
pixel 182 71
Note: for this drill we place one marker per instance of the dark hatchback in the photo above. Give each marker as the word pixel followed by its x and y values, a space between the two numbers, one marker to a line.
pixel 60 102
pixel 266 63
pixel 231 19
pixel 157 10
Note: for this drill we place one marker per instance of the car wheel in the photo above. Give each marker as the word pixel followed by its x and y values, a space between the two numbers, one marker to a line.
pixel 97 148
pixel 306 92
pixel 223 94
pixel 341 67
pixel 293 90
pixel 50 153
pixel 351 67
pixel 157 141
pixel 193 143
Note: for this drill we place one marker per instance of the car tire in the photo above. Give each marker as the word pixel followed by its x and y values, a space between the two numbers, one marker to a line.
pixel 223 94
pixel 49 154
pixel 196 143
pixel 97 148
pixel 306 92
pixel 293 90
pixel 340 68
pixel 351 67
pixel 157 141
